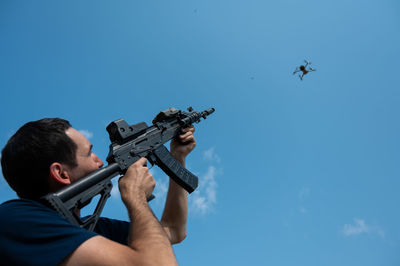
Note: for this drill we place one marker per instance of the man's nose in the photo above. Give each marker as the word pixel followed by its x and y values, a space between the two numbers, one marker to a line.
pixel 98 161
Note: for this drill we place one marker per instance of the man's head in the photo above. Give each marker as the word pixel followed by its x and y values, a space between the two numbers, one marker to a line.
pixel 45 155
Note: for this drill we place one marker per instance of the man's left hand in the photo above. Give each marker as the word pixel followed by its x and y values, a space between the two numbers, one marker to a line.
pixel 183 144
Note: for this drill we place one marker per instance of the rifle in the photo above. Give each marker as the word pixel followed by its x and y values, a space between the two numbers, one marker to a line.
pixel 128 144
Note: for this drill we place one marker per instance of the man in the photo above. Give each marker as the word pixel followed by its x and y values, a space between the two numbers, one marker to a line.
pixel 46 155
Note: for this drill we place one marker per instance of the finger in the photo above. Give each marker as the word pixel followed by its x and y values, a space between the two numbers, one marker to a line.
pixel 142 161
pixel 186 140
pixel 189 138
pixel 188 129
pixel 187 134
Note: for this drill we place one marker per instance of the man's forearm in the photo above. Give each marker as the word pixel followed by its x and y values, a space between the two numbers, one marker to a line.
pixel 174 218
pixel 147 244
pixel 147 236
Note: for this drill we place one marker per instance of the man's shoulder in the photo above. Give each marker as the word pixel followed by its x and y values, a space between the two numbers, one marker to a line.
pixel 22 209
pixel 18 203
pixel 30 217
pixel 24 224
pixel 13 203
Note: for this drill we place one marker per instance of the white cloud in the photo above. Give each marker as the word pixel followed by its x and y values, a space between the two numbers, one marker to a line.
pixel 360 227
pixel 115 190
pixel 205 197
pixel 210 155
pixel 357 228
pixel 86 133
pixel 160 191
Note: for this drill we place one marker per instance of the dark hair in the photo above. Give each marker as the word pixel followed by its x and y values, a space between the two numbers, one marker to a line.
pixel 28 154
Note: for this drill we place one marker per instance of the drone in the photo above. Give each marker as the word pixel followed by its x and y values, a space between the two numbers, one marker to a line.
pixel 303 69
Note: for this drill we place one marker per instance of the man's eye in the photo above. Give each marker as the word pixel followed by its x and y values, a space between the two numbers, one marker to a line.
pixel 90 150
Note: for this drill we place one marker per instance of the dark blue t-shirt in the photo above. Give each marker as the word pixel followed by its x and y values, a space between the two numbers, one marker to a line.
pixel 33 234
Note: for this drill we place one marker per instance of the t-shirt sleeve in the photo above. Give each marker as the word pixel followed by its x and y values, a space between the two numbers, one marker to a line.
pixel 32 234
pixel 115 230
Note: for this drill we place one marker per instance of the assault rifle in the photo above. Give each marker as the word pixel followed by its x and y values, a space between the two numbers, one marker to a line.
pixel 128 144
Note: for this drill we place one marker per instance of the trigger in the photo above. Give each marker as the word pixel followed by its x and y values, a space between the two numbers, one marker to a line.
pixel 152 159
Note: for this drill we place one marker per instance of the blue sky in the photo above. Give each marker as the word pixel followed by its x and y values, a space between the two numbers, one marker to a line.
pixel 291 172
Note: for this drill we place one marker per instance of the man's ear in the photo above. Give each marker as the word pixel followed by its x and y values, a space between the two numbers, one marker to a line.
pixel 59 175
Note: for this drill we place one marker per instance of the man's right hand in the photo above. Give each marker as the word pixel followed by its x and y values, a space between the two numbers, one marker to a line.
pixel 137 184
pixel 146 236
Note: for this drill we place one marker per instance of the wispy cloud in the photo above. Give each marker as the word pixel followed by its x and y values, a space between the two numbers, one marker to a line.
pixel 360 227
pixel 115 189
pixel 160 191
pixel 210 155
pixel 304 193
pixel 205 197
pixel 86 133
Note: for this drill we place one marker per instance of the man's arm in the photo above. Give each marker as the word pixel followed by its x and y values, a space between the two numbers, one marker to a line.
pixel 174 218
pixel 146 235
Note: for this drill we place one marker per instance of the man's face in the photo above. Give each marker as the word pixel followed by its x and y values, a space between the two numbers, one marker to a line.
pixel 87 161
